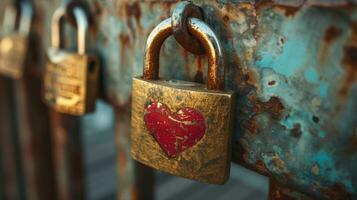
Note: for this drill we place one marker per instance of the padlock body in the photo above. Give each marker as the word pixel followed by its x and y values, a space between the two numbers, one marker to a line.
pixel 70 84
pixel 182 128
pixel 13 50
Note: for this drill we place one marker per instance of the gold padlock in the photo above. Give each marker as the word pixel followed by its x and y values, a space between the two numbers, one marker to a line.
pixel 71 77
pixel 183 128
pixel 14 41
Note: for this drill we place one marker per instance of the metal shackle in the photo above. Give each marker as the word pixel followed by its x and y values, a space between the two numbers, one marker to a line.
pixel 57 28
pixel 201 31
pixel 25 18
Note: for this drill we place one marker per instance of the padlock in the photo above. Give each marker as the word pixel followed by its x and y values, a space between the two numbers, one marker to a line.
pixel 71 77
pixel 14 41
pixel 183 128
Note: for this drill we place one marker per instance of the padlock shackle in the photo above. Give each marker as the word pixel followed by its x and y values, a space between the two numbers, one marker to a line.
pixel 206 36
pixel 25 18
pixel 9 20
pixel 57 38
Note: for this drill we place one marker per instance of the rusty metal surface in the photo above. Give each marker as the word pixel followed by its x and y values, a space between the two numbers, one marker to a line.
pixel 278 192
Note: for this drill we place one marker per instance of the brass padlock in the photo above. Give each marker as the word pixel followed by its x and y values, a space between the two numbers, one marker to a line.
pixel 71 77
pixel 14 41
pixel 183 128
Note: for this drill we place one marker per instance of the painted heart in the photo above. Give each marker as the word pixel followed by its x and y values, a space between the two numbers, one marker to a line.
pixel 175 132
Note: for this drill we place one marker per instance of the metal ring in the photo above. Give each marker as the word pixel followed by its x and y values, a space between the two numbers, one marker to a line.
pixel 201 31
pixel 179 16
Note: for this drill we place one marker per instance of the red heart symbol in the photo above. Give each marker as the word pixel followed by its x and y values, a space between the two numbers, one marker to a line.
pixel 175 132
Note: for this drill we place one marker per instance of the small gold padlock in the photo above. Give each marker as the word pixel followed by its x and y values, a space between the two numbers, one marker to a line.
pixel 183 128
pixel 14 41
pixel 71 78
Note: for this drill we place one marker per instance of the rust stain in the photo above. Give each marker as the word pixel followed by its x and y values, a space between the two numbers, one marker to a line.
pixel 260 167
pixel 278 192
pixel 331 34
pixel 273 106
pixel 278 162
pixel 97 9
pixel 184 54
pixel 336 192
pixel 124 40
pixel 226 19
pixel 251 126
pixel 350 66
pixel 296 130
pixel 133 10
pixel 199 74
pixel 289 11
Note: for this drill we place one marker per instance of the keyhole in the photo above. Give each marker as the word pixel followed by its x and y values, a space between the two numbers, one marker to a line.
pixel 91 66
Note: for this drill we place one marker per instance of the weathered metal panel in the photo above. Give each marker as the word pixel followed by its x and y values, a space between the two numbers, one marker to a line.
pixel 293 68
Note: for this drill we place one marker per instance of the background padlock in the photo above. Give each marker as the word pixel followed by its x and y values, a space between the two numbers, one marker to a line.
pixel 180 127
pixel 14 41
pixel 71 78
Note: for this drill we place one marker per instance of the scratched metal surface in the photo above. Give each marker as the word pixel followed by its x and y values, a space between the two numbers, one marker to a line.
pixel 293 67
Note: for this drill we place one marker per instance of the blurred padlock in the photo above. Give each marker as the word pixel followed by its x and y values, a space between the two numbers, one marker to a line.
pixel 183 128
pixel 71 77
pixel 14 41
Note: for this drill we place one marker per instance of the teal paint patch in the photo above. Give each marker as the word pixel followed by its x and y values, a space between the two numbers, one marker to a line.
pixel 311 75
pixel 323 90
pixel 322 134
pixel 323 159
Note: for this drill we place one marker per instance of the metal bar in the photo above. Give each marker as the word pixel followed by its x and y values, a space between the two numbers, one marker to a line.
pixel 34 137
pixel 2 185
pixel 135 181
pixel 68 159
pixel 11 179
